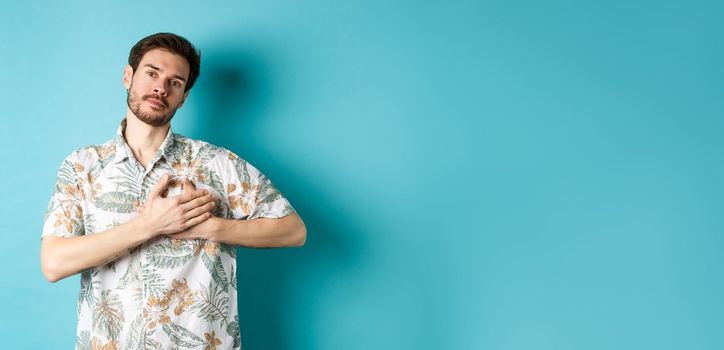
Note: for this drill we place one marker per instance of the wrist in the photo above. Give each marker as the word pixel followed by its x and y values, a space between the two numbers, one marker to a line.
pixel 216 229
pixel 144 227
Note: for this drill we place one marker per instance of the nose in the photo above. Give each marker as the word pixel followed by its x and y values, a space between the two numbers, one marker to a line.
pixel 160 89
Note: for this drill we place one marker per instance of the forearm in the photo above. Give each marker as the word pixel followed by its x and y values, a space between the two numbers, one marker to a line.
pixel 288 231
pixel 65 256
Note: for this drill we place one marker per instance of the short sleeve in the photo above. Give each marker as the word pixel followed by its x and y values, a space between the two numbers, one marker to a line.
pixel 251 194
pixel 64 216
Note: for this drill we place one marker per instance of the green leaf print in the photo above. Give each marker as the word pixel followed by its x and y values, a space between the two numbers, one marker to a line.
pixel 181 150
pixel 132 272
pixel 89 223
pixel 233 331
pixel 108 315
pixel 211 304
pixel 268 193
pixel 182 336
pixel 127 180
pixel 232 278
pixel 212 179
pixel 165 255
pixel 269 196
pixel 134 339
pixel 82 341
pixel 207 152
pixel 241 171
pixel 117 202
pixel 138 337
pixel 150 344
pixel 88 285
pixel 152 281
pixel 66 175
pixel 228 249
pixel 216 268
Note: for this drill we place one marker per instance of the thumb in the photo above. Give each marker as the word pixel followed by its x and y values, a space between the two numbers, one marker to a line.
pixel 160 186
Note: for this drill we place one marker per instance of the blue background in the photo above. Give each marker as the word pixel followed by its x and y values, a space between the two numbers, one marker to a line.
pixel 473 174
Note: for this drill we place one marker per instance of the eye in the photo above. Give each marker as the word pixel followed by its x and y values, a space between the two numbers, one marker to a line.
pixel 176 83
pixel 151 73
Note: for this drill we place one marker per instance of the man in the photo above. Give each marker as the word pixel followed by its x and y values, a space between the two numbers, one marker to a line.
pixel 150 219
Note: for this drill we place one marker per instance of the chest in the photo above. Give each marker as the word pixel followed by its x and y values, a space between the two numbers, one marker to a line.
pixel 116 193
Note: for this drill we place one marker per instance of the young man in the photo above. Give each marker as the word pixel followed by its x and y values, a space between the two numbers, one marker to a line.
pixel 151 218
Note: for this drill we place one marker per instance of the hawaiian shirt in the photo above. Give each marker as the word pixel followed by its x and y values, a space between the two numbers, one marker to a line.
pixel 165 293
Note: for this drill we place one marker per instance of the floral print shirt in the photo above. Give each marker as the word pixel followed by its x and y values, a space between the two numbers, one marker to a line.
pixel 165 293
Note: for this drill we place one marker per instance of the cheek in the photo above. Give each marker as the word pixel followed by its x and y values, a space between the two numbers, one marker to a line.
pixel 174 101
pixel 140 84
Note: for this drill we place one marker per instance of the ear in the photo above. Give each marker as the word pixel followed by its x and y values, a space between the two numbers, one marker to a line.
pixel 127 76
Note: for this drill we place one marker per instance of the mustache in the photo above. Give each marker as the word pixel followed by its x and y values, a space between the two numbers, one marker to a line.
pixel 155 97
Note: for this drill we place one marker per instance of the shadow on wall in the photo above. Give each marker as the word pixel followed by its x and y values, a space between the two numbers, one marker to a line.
pixel 236 88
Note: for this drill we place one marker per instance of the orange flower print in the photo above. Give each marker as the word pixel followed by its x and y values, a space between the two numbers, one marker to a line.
pixel 97 345
pixel 155 311
pixel 176 242
pixel 246 200
pixel 181 294
pixel 90 187
pixel 105 152
pixel 73 192
pixel 78 167
pixel 189 170
pixel 68 218
pixel 211 341
pixel 211 248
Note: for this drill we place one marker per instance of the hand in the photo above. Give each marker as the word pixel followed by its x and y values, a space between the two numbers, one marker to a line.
pixel 165 216
pixel 205 229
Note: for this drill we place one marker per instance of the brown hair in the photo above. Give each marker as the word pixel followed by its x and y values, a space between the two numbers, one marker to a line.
pixel 170 42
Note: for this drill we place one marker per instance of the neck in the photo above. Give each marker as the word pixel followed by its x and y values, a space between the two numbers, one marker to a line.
pixel 143 139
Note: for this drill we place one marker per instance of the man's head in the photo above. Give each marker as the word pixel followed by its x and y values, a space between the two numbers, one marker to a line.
pixel 161 70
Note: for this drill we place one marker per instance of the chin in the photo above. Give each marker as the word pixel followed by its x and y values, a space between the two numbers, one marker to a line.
pixel 153 120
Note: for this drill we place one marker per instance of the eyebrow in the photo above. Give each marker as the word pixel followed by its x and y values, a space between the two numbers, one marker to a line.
pixel 159 69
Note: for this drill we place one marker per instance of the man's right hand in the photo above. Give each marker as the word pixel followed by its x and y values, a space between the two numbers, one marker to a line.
pixel 163 216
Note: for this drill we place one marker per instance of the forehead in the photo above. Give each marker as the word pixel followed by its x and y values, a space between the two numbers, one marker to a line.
pixel 166 61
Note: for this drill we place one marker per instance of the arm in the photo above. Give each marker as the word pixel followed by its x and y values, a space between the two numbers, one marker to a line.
pixel 288 231
pixel 61 257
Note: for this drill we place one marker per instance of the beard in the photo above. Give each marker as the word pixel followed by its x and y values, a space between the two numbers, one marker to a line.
pixel 153 118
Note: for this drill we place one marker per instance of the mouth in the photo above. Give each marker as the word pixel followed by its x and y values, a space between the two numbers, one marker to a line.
pixel 156 103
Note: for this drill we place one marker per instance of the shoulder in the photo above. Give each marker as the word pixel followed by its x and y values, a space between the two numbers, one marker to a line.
pixel 85 160
pixel 205 150
pixel 88 156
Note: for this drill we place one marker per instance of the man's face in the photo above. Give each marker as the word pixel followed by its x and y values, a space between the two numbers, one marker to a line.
pixel 156 88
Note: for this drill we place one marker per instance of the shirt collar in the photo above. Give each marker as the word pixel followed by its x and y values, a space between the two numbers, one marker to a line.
pixel 123 150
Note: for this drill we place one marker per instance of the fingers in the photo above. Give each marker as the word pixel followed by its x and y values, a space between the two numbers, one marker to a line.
pixel 189 196
pixel 197 202
pixel 160 187
pixel 197 220
pixel 199 210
